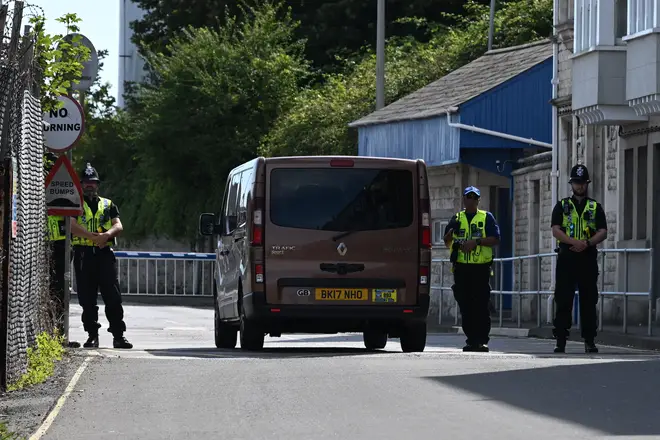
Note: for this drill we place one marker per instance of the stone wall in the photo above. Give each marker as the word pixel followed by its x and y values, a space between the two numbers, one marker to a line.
pixel 533 209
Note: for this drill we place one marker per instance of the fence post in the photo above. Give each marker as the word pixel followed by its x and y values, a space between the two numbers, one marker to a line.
pixel 601 297
pixel 625 291
pixel 651 299
pixel 501 280
pixel 539 261
pixel 442 285
pixel 520 281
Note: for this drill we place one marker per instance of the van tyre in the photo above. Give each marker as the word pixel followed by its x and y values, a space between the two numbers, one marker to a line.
pixel 252 336
pixel 413 337
pixel 225 335
pixel 374 339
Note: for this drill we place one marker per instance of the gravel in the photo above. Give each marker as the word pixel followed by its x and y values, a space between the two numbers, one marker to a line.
pixel 24 410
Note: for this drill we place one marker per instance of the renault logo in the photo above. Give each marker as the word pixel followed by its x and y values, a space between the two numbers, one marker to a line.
pixel 342 249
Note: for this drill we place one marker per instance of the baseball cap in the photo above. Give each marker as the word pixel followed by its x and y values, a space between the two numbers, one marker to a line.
pixel 472 189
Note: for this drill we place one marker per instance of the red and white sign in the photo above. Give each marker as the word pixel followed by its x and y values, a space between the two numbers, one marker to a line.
pixel 64 125
pixel 64 195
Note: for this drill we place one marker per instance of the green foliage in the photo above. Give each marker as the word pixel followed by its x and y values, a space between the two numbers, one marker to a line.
pixel 41 360
pixel 59 60
pixel 218 93
pixel 318 124
pixel 5 434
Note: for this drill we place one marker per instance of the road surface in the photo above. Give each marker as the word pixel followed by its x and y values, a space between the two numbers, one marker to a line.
pixel 176 385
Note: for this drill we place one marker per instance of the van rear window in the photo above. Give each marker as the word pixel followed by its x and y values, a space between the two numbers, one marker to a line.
pixel 341 199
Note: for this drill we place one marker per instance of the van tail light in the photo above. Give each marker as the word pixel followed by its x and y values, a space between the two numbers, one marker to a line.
pixel 259 273
pixel 258 223
pixel 342 163
pixel 424 275
pixel 425 223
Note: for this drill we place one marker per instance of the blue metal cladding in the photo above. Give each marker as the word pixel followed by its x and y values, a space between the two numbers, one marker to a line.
pixel 486 159
pixel 429 139
pixel 520 106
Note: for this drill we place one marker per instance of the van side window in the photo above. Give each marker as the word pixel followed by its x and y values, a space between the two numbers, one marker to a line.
pixel 246 187
pixel 231 207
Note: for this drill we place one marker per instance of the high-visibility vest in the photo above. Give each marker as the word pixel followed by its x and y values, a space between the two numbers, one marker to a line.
pixel 471 231
pixel 56 230
pixel 580 227
pixel 99 222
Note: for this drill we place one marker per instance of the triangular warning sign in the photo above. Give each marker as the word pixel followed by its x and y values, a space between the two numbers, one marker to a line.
pixel 64 194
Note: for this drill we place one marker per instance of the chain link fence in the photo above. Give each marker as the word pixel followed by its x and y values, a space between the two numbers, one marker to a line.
pixel 26 306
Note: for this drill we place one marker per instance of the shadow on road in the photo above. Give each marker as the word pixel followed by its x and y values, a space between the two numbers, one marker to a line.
pixel 618 398
pixel 266 353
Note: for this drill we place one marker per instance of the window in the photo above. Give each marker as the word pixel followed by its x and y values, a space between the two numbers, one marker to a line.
pixel 341 199
pixel 439 231
pixel 593 23
pixel 635 184
pixel 642 15
pixel 231 204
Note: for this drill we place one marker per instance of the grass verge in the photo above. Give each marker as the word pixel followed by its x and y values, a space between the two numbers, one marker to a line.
pixel 6 435
pixel 41 361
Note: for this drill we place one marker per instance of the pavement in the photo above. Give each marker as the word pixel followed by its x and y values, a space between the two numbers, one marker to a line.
pixel 175 385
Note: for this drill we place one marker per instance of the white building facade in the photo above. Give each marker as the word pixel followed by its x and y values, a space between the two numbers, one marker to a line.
pixel 606 97
pixel 131 65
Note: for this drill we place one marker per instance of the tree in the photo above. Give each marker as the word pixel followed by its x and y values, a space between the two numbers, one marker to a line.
pixel 59 61
pixel 332 28
pixel 318 123
pixel 219 91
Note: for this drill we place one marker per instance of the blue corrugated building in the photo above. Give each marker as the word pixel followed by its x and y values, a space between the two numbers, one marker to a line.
pixel 470 127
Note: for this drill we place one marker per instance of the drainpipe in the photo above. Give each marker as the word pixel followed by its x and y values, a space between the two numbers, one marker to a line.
pixel 493 133
pixel 554 173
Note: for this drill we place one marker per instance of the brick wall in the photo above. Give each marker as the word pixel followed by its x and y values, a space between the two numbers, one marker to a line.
pixel 564 59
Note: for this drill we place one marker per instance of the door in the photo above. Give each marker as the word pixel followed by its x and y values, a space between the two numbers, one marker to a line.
pixel 342 235
pixel 228 289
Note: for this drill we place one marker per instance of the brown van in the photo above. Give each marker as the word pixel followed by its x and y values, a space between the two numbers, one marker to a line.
pixel 323 245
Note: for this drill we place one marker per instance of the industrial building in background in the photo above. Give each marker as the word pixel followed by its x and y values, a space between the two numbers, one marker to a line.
pixel 131 64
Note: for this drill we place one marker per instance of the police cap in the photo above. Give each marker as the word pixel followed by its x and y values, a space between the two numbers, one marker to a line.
pixel 89 174
pixel 579 174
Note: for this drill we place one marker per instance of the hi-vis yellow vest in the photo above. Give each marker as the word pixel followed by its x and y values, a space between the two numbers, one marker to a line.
pixel 580 227
pixel 56 228
pixel 471 231
pixel 100 222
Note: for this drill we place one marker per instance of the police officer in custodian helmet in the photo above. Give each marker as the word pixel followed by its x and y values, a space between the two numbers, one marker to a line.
pixel 579 225
pixel 95 262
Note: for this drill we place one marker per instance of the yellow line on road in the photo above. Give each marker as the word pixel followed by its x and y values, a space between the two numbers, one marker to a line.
pixel 60 402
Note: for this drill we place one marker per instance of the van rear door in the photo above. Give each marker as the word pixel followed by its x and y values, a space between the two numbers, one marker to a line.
pixel 341 232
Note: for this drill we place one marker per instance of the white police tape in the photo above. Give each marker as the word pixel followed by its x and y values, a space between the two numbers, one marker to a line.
pixel 164 255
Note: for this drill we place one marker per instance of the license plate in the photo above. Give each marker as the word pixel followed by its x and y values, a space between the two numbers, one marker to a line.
pixel 341 294
pixel 384 296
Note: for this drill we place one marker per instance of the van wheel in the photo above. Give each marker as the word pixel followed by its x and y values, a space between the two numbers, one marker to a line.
pixel 413 337
pixel 225 334
pixel 252 337
pixel 374 339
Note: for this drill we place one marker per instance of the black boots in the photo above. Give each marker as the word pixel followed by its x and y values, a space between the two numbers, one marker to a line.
pixel 589 346
pixel 92 342
pixel 479 348
pixel 117 342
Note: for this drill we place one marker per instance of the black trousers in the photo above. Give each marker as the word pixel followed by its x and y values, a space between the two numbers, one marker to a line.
pixel 58 268
pixel 580 270
pixel 96 269
pixel 472 293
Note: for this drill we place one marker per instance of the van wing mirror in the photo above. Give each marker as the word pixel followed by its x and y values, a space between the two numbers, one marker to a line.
pixel 207 224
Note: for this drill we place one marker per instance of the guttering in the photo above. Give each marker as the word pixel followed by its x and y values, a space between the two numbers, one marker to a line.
pixel 493 133
pixel 554 172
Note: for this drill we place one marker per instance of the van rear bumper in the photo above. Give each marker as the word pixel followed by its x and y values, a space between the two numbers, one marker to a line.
pixel 256 308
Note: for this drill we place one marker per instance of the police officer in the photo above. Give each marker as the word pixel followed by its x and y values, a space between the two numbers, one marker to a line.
pixel 471 235
pixel 578 224
pixel 95 263
pixel 56 238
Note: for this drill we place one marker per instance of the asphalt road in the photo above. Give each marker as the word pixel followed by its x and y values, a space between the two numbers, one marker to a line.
pixel 176 385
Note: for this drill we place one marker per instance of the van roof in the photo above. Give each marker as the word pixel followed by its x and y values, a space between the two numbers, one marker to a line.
pixel 316 159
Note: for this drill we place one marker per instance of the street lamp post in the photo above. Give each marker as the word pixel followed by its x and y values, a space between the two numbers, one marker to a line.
pixel 380 56
pixel 491 24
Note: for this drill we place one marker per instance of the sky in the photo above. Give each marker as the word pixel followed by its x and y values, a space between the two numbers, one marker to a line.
pixel 99 23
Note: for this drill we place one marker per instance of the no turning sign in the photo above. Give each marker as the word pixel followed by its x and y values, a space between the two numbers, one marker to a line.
pixel 64 125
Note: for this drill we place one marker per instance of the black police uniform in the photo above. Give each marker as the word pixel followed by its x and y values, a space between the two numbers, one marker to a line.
pixel 576 268
pixel 96 269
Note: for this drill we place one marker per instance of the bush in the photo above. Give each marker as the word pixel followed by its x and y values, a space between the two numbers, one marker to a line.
pixel 41 360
